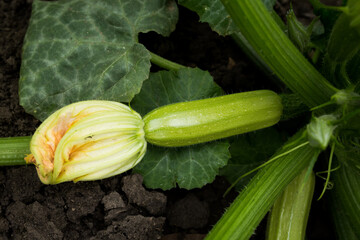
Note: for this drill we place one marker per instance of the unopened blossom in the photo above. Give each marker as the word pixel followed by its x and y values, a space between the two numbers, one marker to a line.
pixel 87 140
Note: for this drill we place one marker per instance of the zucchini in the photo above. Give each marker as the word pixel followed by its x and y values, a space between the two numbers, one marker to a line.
pixel 289 215
pixel 193 122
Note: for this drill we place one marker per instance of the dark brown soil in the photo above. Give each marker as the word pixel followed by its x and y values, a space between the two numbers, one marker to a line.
pixel 119 207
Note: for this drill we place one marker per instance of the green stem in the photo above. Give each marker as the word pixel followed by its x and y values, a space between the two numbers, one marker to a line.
pixel 13 150
pixel 278 52
pixel 164 63
pixel 248 209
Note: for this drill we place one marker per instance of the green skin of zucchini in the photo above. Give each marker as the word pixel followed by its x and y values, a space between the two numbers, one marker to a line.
pixel 188 123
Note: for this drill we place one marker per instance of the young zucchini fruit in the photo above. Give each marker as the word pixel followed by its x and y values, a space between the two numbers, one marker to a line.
pixel 289 215
pixel 193 122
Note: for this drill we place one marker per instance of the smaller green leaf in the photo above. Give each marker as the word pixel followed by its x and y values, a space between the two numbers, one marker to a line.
pixel 186 167
pixel 214 13
pixel 165 87
pixel 249 151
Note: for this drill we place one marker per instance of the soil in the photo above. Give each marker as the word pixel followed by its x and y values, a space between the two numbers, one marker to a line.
pixel 119 207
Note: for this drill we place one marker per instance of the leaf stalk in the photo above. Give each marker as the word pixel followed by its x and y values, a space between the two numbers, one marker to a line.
pixel 164 63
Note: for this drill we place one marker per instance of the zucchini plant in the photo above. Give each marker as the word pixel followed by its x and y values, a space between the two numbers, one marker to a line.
pixel 333 121
pixel 82 58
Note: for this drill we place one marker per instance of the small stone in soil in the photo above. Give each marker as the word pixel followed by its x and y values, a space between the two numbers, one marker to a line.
pixel 113 200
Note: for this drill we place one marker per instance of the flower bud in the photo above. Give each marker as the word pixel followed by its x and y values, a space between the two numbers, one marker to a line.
pixel 87 140
pixel 320 130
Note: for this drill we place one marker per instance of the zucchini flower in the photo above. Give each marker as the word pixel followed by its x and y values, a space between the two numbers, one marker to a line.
pixel 87 140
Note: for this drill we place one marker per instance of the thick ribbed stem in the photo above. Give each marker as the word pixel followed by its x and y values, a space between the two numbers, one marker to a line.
pixel 245 213
pixel 278 52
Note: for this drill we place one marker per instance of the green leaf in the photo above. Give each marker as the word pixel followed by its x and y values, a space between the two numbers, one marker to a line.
pixel 187 167
pixel 249 151
pixel 166 87
pixel 79 50
pixel 214 13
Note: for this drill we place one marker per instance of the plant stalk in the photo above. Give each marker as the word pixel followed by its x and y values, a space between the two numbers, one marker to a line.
pixel 165 63
pixel 13 150
pixel 278 52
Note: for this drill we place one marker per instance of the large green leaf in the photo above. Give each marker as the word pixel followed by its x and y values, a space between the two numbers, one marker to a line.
pixel 187 167
pixel 87 49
